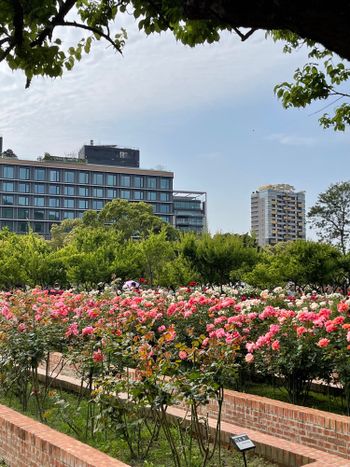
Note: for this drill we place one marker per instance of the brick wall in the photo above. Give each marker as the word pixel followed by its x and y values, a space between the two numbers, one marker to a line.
pixel 321 430
pixel 27 443
pixel 310 427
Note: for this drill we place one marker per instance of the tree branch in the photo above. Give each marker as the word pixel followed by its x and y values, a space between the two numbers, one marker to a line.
pixel 246 36
pixel 91 29
pixel 336 93
pixel 18 23
pixel 64 9
pixel 5 53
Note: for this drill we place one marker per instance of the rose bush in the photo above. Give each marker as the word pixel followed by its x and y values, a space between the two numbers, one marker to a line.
pixel 183 347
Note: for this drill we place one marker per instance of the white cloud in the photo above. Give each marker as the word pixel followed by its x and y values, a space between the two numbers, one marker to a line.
pixel 155 75
pixel 292 140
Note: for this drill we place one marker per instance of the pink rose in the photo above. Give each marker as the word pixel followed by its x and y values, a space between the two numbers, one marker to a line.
pixel 182 355
pixel 97 356
pixel 323 342
pixel 249 358
pixel 88 330
pixel 275 345
pixel 21 327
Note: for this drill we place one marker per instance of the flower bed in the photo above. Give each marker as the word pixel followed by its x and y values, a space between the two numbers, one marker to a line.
pixel 186 347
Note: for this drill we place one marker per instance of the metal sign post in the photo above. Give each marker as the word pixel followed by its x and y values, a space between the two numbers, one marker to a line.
pixel 243 443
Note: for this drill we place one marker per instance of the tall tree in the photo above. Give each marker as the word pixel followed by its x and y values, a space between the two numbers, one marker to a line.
pixel 331 215
pixel 219 259
pixel 303 263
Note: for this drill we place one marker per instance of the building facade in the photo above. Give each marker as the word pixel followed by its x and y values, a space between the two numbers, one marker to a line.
pixel 277 214
pixel 190 211
pixel 38 194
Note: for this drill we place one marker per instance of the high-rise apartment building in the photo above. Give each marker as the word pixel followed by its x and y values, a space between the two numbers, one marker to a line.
pixel 277 214
pixel 38 194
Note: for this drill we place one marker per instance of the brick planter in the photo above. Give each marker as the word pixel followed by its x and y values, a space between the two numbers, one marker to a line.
pixel 27 443
pixel 315 428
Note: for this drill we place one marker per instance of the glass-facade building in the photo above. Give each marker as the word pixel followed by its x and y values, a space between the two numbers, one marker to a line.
pixel 38 194
pixel 190 210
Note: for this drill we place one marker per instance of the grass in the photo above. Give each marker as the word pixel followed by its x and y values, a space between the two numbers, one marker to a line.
pixel 315 400
pixel 66 413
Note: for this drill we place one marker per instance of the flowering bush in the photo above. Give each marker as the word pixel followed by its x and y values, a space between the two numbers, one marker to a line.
pixel 185 347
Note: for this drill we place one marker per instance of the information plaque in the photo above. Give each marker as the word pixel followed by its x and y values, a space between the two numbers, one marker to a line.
pixel 242 442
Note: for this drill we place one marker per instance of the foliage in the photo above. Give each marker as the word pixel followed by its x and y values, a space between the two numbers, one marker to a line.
pixel 219 259
pixel 8 154
pixel 30 41
pixel 331 215
pixel 322 78
pixel 301 263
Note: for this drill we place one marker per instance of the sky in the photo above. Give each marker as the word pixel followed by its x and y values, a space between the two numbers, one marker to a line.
pixel 207 113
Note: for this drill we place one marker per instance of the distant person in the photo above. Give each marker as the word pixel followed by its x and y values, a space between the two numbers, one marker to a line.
pixel 131 285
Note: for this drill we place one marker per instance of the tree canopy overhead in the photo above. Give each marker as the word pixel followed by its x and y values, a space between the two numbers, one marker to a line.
pixel 30 36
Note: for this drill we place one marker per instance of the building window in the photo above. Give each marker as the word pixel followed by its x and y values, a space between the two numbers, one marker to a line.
pixel 7 200
pixel 125 194
pixel 83 204
pixel 163 196
pixel 165 183
pixel 125 180
pixel 151 182
pixel 151 195
pixel 69 176
pixel 54 176
pixel 98 192
pixel 39 188
pixel 54 189
pixel 79 214
pixel 38 201
pixel 68 190
pixel 23 213
pixel 111 193
pixel 68 203
pixel 83 177
pixel 111 180
pixel 23 200
pixel 22 227
pixel 138 195
pixel 68 214
pixel 97 179
pixel 7 212
pixel 54 215
pixel 9 172
pixel 39 174
pixel 165 218
pixel 163 208
pixel 8 186
pixel 38 214
pixel 54 202
pixel 138 182
pixel 24 173
pixel 83 191
pixel 39 227
pixel 97 204
pixel 7 224
pixel 23 187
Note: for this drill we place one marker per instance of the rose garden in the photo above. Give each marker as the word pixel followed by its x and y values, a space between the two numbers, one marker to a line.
pixel 139 352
